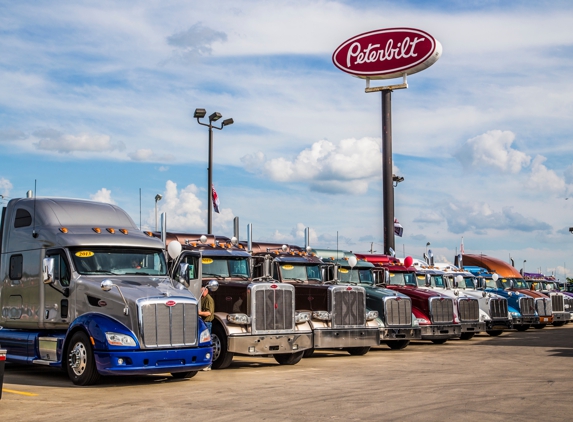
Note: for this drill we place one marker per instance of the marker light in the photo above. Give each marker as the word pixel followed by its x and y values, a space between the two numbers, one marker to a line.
pixel 124 231
pixel 97 229
pixel 63 230
pixel 149 234
pixel 109 229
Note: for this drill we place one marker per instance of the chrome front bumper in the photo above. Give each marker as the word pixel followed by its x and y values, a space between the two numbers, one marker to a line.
pixel 503 324
pixel 389 334
pixel 440 332
pixel 561 316
pixel 473 327
pixel 353 337
pixel 525 320
pixel 255 345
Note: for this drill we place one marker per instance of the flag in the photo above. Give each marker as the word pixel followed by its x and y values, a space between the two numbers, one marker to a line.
pixel 462 246
pixel 398 229
pixel 216 203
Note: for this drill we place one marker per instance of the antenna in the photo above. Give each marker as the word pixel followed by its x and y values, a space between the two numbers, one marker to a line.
pixel 34 234
pixel 139 208
pixel 337 250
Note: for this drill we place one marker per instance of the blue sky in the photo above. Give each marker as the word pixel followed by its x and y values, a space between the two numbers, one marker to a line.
pixel 98 98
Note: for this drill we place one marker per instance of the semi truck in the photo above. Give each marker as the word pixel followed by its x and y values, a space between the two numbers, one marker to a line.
pixel 560 301
pixel 510 280
pixel 82 289
pixel 434 312
pixel 398 325
pixel 253 317
pixel 338 315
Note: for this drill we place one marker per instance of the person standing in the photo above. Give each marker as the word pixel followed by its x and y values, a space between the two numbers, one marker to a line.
pixel 207 312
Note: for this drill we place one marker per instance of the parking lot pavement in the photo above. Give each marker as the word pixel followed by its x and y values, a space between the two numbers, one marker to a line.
pixel 518 375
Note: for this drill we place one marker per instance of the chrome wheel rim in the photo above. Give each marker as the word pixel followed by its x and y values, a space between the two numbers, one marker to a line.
pixel 216 346
pixel 78 359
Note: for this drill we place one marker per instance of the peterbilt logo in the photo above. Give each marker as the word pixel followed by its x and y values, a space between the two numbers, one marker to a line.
pixel 102 303
pixel 274 286
pixel 349 288
pixel 387 53
pixel 170 303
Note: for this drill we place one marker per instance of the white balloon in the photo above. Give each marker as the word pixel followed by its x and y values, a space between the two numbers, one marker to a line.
pixel 352 261
pixel 495 277
pixel 174 249
pixel 459 278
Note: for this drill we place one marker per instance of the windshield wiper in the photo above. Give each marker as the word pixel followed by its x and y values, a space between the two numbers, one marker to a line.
pixel 138 273
pixel 101 272
pixel 219 277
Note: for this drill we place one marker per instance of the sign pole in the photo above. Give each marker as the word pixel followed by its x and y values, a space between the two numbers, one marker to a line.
pixel 387 177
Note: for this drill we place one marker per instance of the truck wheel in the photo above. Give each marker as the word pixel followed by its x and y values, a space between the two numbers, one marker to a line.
pixel 467 336
pixel 494 333
pixel 559 324
pixel 440 341
pixel 398 344
pixel 222 358
pixel 308 353
pixel 521 327
pixel 358 351
pixel 288 358
pixel 539 326
pixel 80 361
pixel 181 375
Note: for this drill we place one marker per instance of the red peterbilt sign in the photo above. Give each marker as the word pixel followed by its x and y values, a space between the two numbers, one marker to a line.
pixel 387 53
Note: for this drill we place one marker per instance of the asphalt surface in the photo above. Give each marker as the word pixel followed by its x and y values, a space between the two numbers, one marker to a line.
pixel 519 375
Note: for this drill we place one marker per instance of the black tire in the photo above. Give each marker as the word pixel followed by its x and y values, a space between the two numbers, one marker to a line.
pixel 358 351
pixel 289 358
pixel 539 326
pixel 398 344
pixel 181 375
pixel 467 336
pixel 521 327
pixel 222 358
pixel 80 361
pixel 440 341
pixel 559 324
pixel 494 333
pixel 308 353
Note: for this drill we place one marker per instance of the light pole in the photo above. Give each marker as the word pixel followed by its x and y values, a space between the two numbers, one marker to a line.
pixel 199 114
pixel 157 199
pixel 523 268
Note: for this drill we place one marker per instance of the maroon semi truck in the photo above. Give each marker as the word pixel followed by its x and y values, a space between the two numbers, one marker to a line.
pixel 433 311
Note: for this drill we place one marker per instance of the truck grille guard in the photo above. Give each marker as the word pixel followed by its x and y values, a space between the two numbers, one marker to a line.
pixel 167 322
pixel 398 311
pixel 441 310
pixel 347 305
pixel 468 309
pixel 272 308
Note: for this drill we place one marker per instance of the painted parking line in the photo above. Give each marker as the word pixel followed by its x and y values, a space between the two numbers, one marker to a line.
pixel 22 393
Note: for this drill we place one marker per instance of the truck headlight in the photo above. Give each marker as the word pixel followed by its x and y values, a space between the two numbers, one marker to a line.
pixel 322 315
pixel 422 321
pixel 205 336
pixel 116 339
pixel 370 315
pixel 241 319
pixel 514 314
pixel 300 317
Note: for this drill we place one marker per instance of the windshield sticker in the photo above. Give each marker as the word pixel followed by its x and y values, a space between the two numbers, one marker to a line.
pixel 84 254
pixel 287 267
pixel 420 277
pixel 207 261
pixel 343 270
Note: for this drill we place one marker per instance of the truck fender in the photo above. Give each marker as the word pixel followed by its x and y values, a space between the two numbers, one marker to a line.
pixel 95 325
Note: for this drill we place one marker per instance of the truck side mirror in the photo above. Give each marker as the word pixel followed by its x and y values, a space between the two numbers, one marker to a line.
pixel 267 266
pixel 48 270
pixel 184 274
pixel 428 280
pixel 386 277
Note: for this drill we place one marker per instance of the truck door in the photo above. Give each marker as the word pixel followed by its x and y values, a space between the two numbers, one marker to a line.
pixel 194 271
pixel 56 312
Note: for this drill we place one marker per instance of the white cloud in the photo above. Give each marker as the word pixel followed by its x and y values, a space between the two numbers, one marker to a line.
pixel 7 135
pixel 543 179
pixel 194 42
pixel 5 186
pixel 163 168
pixel 144 155
pixel 54 140
pixel 493 149
pixel 102 195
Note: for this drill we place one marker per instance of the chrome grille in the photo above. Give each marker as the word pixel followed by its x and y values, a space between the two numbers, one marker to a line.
pixel 348 306
pixel 468 309
pixel 498 308
pixel 557 302
pixel 543 306
pixel 163 326
pixel 272 306
pixel 442 310
pixel 398 311
pixel 527 306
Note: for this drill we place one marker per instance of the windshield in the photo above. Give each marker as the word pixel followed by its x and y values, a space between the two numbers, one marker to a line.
pixel 225 267
pixel 355 275
pixel 490 283
pixel 438 281
pixel 467 283
pixel 517 283
pixel 115 261
pixel 551 286
pixel 402 279
pixel 421 280
pixel 300 272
